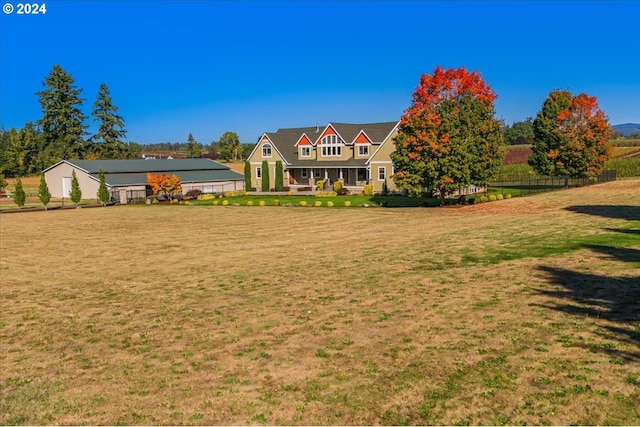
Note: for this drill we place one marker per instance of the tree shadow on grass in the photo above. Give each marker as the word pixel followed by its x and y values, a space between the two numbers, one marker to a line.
pixel 616 299
pixel 629 212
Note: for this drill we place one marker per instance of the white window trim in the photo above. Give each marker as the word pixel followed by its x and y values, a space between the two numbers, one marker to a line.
pixel 270 150
pixel 384 173
pixel 258 172
pixel 302 149
pixel 363 146
pixel 331 146
pixel 317 173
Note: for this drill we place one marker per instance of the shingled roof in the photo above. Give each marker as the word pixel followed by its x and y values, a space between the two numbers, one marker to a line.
pixel 285 139
pixel 134 172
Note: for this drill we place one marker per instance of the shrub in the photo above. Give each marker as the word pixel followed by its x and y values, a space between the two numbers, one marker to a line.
pixel 216 202
pixel 317 204
pixel 347 203
pixel 471 200
pixel 303 203
pixel 287 189
pixel 507 196
pixel 207 196
pixel 492 197
pixel 192 194
pixel 320 185
pixel 330 203
pixel 337 186
pixel 19 195
pixel 250 203
pixel 235 193
pixel 174 201
pixel 483 199
pixel 342 191
pixel 499 196
pixel 261 203
pixel 368 190
pixel 304 188
pixel 276 202
pixel 225 202
pixel 325 194
pixel 289 193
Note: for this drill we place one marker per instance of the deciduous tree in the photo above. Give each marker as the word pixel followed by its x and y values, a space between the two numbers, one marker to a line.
pixel 76 192
pixel 166 185
pixel 571 136
pixel 62 121
pixel 230 147
pixel 519 133
pixel 43 192
pixel 448 137
pixel 108 140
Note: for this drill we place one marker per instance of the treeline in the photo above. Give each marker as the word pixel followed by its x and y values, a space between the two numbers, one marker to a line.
pixel 61 133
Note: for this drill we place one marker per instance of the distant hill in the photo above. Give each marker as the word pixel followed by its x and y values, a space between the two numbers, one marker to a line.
pixel 627 128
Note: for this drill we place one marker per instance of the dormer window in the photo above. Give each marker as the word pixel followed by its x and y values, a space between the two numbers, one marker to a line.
pixel 363 150
pixel 331 146
pixel 305 151
pixel 266 150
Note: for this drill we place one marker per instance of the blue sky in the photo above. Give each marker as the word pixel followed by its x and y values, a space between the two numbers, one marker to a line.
pixel 207 67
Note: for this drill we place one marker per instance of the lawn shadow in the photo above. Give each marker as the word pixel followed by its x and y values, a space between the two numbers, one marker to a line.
pixel 629 212
pixel 616 299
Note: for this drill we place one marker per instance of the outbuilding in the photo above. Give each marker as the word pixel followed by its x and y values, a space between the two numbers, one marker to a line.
pixel 127 179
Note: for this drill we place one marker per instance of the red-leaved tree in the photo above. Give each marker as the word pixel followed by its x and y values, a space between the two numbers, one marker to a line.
pixel 571 136
pixel 448 137
pixel 164 184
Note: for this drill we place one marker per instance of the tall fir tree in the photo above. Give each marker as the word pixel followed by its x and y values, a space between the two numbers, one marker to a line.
pixel 62 121
pixel 76 192
pixel 43 192
pixel 193 148
pixel 108 140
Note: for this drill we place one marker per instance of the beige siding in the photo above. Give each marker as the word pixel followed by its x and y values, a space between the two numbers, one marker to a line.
pixel 256 162
pixel 381 158
pixel 55 176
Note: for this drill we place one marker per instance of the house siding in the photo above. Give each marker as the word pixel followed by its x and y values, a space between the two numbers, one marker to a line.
pixel 382 158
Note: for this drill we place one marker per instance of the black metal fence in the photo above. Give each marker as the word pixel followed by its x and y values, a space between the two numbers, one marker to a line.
pixel 524 185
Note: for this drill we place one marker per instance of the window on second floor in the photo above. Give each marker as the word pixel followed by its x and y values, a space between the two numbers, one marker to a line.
pixel 363 150
pixel 305 151
pixel 266 150
pixel 331 146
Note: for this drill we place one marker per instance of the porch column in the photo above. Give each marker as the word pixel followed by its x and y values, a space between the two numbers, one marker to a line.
pixel 326 173
pixel 341 178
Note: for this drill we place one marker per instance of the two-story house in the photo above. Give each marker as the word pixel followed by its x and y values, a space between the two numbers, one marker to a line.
pixel 355 154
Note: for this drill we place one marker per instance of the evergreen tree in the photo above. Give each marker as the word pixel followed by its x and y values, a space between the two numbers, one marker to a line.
pixel 265 176
pixel 43 192
pixel 111 129
pixel 3 182
pixel 279 176
pixel 76 193
pixel 247 176
pixel 103 191
pixel 19 197
pixel 62 122
pixel 193 148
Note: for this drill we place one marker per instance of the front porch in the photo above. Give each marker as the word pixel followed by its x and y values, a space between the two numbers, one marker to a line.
pixel 353 178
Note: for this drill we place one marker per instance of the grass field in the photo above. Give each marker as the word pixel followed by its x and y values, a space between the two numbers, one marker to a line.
pixel 521 311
